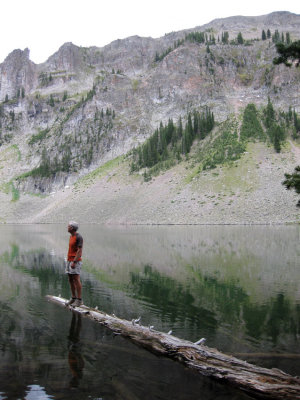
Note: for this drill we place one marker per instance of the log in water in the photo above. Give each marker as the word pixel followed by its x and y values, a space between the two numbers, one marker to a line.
pixel 259 382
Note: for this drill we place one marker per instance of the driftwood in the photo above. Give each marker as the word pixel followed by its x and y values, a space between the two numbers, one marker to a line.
pixel 259 382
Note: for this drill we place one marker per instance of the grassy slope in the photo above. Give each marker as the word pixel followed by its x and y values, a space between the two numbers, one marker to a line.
pixel 247 191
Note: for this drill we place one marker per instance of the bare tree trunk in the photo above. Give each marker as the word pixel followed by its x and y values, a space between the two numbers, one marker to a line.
pixel 259 382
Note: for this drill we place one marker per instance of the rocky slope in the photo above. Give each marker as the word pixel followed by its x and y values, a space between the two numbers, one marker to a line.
pixel 86 106
pixel 247 192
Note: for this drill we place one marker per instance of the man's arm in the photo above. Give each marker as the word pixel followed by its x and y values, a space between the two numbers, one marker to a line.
pixel 77 256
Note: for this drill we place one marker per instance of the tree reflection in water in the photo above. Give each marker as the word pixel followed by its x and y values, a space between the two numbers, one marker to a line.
pixel 237 287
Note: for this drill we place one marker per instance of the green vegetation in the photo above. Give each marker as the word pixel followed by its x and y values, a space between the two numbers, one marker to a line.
pixel 39 136
pixel 15 193
pixel 135 84
pixel 160 57
pixel 276 37
pixel 75 151
pixel 51 101
pixel 240 38
pixel 224 148
pixel 228 146
pixel 17 152
pixel 276 124
pixel 84 99
pixel 225 38
pixel 9 187
pixel 288 53
pixel 172 143
pixel 251 127
pixel 292 181
pixel 201 37
pixel 99 172
pixel 208 39
pixel 45 79
pixel 168 143
pixel 274 130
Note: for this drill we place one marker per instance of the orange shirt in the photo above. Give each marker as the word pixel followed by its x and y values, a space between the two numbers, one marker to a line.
pixel 75 242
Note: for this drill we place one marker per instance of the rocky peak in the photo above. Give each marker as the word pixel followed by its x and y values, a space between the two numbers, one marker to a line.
pixel 17 73
pixel 17 55
pixel 69 57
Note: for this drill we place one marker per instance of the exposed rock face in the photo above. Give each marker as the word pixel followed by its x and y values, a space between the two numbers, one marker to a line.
pixel 17 74
pixel 57 106
pixel 68 58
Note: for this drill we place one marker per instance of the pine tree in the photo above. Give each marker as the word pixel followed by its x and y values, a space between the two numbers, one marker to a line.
pixel 240 39
pixel 268 34
pixel 189 128
pixel 269 114
pixel 276 37
pixel 44 168
pixel 51 101
pixel 263 35
pixel 292 181
pixel 196 123
pixel 171 131
pixel 186 142
pixel 145 157
pixel 251 127
pixel 277 145
pixel 296 121
pixel 288 53
pixel 225 37
pixel 180 128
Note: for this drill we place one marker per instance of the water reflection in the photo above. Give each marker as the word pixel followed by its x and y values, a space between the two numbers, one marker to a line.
pixel 35 392
pixel 239 288
pixel 172 300
pixel 75 359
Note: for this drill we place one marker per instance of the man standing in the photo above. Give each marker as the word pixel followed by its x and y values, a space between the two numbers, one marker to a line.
pixel 73 265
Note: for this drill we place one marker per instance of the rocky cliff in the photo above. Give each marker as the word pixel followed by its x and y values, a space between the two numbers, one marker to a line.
pixel 62 119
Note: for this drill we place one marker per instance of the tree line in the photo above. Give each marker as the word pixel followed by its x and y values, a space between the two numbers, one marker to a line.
pixel 208 38
pixel 173 140
pixel 275 123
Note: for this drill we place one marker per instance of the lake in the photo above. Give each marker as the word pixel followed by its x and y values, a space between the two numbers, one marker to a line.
pixel 237 286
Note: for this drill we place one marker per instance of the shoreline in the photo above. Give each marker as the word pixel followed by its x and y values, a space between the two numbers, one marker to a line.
pixel 157 224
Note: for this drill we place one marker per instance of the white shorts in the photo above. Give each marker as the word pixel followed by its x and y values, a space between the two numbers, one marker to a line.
pixel 73 271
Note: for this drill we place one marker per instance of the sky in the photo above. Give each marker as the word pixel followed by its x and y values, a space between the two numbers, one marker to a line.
pixel 44 26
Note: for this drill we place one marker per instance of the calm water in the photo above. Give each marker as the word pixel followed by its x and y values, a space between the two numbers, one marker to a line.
pixel 237 286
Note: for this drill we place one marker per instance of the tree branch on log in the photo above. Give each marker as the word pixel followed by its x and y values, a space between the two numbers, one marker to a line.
pixel 257 381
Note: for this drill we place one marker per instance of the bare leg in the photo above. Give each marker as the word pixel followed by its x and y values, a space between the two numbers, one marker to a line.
pixel 78 285
pixel 72 285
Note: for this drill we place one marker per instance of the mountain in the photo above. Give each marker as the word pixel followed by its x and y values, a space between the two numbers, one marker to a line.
pixel 68 126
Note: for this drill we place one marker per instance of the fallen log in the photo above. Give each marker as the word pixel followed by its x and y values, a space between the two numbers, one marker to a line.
pixel 257 381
